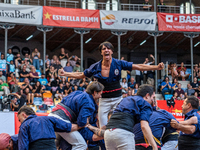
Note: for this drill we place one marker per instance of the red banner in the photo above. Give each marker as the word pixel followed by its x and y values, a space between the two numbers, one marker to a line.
pixel 70 17
pixel 179 22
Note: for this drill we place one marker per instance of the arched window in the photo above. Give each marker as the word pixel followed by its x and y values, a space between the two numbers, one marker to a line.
pixel 88 4
pixel 185 8
pixel 112 5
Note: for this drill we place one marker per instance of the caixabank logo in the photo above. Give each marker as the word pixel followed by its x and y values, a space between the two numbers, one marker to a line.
pixel 17 14
pixel 183 18
pixel 109 19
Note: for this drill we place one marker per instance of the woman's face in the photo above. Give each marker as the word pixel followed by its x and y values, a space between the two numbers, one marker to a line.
pixel 38 84
pixel 36 50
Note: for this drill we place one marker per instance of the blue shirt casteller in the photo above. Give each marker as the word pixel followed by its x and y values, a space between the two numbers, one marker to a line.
pixel 15 141
pixel 40 127
pixel 136 106
pixel 190 114
pixel 115 70
pixel 83 105
pixel 158 120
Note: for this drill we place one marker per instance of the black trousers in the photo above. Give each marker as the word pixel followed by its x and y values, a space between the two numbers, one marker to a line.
pixel 43 144
pixel 188 143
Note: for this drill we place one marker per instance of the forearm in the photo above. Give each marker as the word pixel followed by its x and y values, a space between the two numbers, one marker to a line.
pixel 97 131
pixel 77 75
pixel 143 67
pixel 188 129
pixel 97 138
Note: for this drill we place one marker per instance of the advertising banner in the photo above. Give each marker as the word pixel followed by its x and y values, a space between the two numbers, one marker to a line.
pixel 70 17
pixel 179 22
pixel 23 14
pixel 128 20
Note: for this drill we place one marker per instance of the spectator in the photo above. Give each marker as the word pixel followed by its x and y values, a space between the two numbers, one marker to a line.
pixel 11 66
pixel 198 90
pixel 196 94
pixel 10 56
pixel 175 84
pixel 36 57
pixel 196 71
pixel 47 70
pixel 75 88
pixel 189 91
pixel 124 85
pixel 53 72
pixel 60 91
pixel 47 59
pixel 146 6
pixel 54 59
pixel 72 60
pixel 37 90
pixel 15 88
pixel 134 91
pixel 150 77
pixel 74 82
pixel 63 57
pixel 4 87
pixel 23 74
pixel 180 92
pixel 18 61
pixel 11 79
pixel 83 84
pixel 27 64
pixel 77 67
pixel 166 86
pixel 170 68
pixel 174 71
pixel 27 58
pixel 27 88
pixel 161 6
pixel 138 76
pixel 63 80
pixel 147 63
pixel 183 75
pixel 181 67
pixel 21 99
pixel 48 87
pixel 68 68
pixel 129 93
pixel 43 80
pixel 131 84
pixel 195 84
pixel 57 65
pixel 67 88
pixel 2 77
pixel 3 65
pixel 33 75
pixel 14 104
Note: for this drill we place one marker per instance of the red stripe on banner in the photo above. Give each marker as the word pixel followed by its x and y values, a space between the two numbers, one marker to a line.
pixel 112 90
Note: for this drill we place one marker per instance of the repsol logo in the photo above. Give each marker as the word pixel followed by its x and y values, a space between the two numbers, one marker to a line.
pixel 137 21
pixel 17 14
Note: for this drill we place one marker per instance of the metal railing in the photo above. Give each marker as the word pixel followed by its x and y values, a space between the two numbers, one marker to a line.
pixel 135 7
pixel 63 3
pixel 98 5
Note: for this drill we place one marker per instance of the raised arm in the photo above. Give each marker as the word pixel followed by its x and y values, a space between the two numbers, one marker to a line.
pixel 77 75
pixel 143 67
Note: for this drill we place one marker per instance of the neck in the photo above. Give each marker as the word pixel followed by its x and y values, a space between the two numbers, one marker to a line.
pixel 106 62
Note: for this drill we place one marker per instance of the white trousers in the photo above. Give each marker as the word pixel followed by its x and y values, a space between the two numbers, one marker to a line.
pixel 105 105
pixel 74 138
pixel 170 145
pixel 119 139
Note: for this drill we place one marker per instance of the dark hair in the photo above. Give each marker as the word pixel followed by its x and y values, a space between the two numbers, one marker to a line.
pixel 27 110
pixel 137 84
pixel 166 77
pixel 106 44
pixel 194 101
pixel 144 89
pixel 94 86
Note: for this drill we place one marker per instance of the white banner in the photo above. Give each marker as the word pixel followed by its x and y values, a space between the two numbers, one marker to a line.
pixel 7 124
pixel 128 20
pixel 23 14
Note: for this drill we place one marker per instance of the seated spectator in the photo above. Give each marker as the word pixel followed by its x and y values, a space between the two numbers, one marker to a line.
pixel 196 71
pixel 72 60
pixel 63 57
pixel 68 67
pixel 189 91
pixel 75 88
pixel 43 80
pixel 180 92
pixel 23 74
pixel 63 80
pixel 36 57
pixel 47 59
pixel 134 91
pixel 11 79
pixel 145 7
pixel 60 91
pixel 14 105
pixel 38 89
pixel 74 82
pixel 53 72
pixel 83 84
pixel 10 56
pixel 47 70
pixel 21 99
pixel 181 67
pixel 195 84
pixel 54 59
pixel 124 85
pixel 77 67
pixel 174 71
pixel 175 96
pixel 3 64
pixel 4 87
pixel 29 96
pixel 196 94
pixel 198 91
pixel 11 67
pixel 131 84
pixel 129 93
pixel 27 88
pixel 161 6
pixel 57 65
pixel 15 88
pixel 67 88
pixel 27 64
pixel 183 75
pixel 175 84
pixel 27 58
pixel 18 61
pixel 170 68
pixel 33 75
pixel 2 77
pixel 166 86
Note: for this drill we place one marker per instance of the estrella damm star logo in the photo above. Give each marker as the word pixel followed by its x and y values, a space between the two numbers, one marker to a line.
pixel 47 16
pixel 177 111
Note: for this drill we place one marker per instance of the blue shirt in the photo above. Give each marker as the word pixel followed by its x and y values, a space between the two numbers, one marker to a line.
pixel 136 106
pixel 83 105
pixel 10 57
pixel 12 68
pixel 190 114
pixel 43 81
pixel 3 64
pixel 158 120
pixel 166 87
pixel 68 68
pixel 131 85
pixel 15 141
pixel 40 127
pixel 115 70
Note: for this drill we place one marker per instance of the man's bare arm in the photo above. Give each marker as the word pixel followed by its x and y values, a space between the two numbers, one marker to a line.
pixel 97 131
pixel 148 134
pixel 192 120
pixel 77 75
pixel 143 67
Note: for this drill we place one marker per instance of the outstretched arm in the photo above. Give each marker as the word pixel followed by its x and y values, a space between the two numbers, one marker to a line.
pixel 98 133
pixel 143 67
pixel 192 120
pixel 77 75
